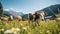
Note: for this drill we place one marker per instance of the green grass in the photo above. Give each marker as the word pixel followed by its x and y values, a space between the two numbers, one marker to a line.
pixel 50 27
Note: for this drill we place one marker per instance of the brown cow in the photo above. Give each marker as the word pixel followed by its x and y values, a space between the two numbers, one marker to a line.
pixel 19 18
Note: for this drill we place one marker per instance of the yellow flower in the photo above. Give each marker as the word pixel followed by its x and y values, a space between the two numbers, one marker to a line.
pixel 13 30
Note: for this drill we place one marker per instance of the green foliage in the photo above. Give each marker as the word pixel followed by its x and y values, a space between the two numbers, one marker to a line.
pixel 1 9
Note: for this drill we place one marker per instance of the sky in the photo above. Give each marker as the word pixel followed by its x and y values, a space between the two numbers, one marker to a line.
pixel 27 6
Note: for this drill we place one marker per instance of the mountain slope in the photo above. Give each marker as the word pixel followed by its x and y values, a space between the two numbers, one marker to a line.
pixel 51 10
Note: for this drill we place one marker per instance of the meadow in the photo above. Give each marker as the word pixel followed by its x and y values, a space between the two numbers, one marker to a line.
pixel 23 27
pixel 50 27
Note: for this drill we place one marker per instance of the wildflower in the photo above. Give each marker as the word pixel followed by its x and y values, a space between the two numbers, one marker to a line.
pixel 29 33
pixel 12 31
pixel 21 24
pixel 15 30
pixel 2 29
pixel 47 31
pixel 25 28
pixel 8 31
pixel 40 32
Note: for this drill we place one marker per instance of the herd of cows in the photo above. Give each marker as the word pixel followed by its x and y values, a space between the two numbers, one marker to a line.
pixel 11 18
pixel 31 17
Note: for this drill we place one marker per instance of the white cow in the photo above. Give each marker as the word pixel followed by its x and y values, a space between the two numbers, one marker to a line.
pixel 43 14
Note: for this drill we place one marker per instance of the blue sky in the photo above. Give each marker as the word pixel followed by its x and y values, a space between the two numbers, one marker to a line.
pixel 27 6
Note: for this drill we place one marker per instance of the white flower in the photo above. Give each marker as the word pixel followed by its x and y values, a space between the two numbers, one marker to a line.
pixel 2 29
pixel 13 30
pixel 8 31
pixel 17 29
pixel 25 28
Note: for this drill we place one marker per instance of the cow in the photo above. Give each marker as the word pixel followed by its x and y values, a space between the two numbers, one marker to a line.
pixel 11 18
pixel 37 18
pixel 58 19
pixel 4 18
pixel 43 14
pixel 30 18
pixel 19 18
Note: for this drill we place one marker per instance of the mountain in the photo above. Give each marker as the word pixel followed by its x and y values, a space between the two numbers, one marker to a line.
pixel 6 13
pixel 25 17
pixel 51 10
pixel 12 12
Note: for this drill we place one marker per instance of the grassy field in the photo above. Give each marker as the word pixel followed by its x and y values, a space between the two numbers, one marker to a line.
pixel 50 27
pixel 23 27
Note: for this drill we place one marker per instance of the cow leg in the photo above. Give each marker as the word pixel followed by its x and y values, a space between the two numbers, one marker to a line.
pixel 38 21
pixel 34 23
pixel 29 22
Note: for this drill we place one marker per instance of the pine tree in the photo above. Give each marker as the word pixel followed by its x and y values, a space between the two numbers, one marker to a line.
pixel 1 9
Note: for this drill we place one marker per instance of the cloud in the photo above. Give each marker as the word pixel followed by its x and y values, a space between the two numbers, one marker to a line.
pixel 6 9
pixel 12 9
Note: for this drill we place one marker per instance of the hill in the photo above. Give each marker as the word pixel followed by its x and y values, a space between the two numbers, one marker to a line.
pixel 51 10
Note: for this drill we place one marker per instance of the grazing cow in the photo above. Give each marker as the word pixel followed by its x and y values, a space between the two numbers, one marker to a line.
pixel 11 18
pixel 43 14
pixel 57 19
pixel 19 18
pixel 30 18
pixel 4 19
pixel 37 18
